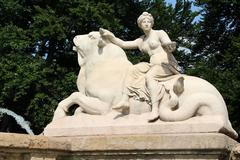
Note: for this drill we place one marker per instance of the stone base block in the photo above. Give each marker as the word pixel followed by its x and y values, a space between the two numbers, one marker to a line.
pixel 211 146
pixel 114 124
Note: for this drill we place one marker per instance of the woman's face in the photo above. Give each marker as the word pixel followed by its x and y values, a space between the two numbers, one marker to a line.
pixel 146 24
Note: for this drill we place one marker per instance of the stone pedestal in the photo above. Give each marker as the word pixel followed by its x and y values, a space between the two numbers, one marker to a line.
pixel 115 124
pixel 147 146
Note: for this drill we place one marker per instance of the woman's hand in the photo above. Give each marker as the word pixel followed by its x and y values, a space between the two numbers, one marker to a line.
pixel 169 47
pixel 106 34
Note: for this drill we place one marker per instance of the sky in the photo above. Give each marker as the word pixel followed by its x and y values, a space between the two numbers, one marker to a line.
pixel 194 8
pixel 173 2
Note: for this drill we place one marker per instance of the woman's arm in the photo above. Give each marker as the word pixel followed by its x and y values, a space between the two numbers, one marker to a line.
pixel 167 44
pixel 123 44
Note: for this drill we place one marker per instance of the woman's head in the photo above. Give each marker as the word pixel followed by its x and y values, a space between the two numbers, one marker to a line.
pixel 144 16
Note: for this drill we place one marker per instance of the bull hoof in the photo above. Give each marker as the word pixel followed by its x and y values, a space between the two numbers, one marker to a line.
pixel 58 114
pixel 123 105
pixel 153 117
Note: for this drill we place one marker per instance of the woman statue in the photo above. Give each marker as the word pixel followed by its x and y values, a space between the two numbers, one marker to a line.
pixel 159 47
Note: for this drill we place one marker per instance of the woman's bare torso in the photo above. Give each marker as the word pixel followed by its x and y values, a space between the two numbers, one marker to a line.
pixel 153 47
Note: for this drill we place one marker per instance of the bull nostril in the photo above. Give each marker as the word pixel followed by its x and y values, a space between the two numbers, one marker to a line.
pixel 76 37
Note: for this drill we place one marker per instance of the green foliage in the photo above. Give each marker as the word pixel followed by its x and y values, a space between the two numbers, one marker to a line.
pixel 13 11
pixel 39 69
pixel 217 51
pixel 13 39
pixel 32 89
pixel 51 25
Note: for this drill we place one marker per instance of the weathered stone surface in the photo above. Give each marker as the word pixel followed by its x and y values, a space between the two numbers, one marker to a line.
pixel 109 81
pixel 131 125
pixel 171 98
pixel 235 153
pixel 41 157
pixel 145 146
pixel 9 140
pixel 152 141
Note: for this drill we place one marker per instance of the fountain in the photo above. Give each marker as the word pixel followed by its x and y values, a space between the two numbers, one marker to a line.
pixel 183 117
pixel 19 119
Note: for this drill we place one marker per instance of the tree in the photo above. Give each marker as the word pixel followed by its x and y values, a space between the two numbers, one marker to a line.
pixel 217 51
pixel 38 66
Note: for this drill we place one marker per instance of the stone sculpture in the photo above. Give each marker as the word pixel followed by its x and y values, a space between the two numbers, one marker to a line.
pixel 159 47
pixel 107 81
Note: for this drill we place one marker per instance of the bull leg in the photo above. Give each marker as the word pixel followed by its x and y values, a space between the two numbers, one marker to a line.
pixel 89 105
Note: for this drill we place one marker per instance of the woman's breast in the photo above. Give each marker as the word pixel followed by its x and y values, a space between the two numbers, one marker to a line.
pixel 148 46
pixel 153 44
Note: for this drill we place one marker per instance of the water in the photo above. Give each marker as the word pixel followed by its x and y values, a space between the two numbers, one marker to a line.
pixel 19 119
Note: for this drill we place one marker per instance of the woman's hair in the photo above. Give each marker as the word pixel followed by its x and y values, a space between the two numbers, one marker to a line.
pixel 143 16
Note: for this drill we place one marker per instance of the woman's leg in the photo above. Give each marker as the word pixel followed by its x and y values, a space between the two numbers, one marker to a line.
pixel 134 76
pixel 155 89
